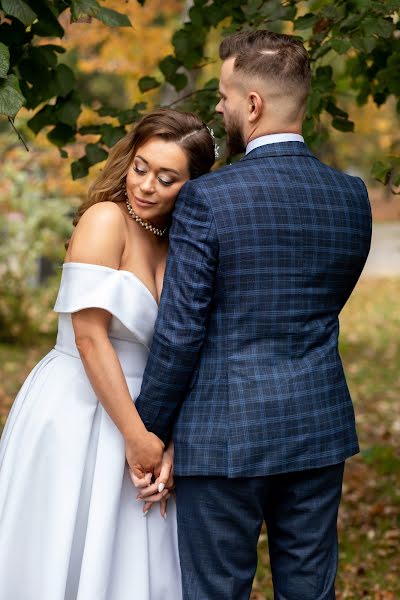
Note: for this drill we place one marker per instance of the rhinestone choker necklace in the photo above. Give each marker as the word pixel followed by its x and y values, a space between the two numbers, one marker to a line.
pixel 145 224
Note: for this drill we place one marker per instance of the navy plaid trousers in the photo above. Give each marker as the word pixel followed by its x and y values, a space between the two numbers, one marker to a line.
pixel 244 367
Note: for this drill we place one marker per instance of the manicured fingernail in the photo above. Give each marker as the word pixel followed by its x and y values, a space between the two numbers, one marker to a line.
pixel 164 515
pixel 161 487
pixel 145 513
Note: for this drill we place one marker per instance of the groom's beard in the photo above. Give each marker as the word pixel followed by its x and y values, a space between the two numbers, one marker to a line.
pixel 234 137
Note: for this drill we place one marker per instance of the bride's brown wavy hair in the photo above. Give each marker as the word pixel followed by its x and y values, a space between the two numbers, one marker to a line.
pixel 185 129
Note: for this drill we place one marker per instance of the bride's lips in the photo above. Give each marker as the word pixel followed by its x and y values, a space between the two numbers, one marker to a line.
pixel 144 203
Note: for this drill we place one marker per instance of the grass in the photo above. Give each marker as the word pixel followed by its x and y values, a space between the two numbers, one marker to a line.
pixel 369 519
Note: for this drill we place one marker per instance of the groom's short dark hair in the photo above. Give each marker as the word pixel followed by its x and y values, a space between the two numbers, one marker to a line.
pixel 269 55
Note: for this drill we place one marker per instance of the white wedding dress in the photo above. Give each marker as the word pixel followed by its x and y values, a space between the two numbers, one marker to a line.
pixel 70 527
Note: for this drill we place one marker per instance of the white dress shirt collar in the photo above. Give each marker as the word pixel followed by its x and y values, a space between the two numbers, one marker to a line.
pixel 273 138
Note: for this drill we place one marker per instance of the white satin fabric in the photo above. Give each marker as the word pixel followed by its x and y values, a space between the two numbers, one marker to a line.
pixel 70 528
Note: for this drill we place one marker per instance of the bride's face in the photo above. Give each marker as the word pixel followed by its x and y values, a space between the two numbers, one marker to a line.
pixel 157 173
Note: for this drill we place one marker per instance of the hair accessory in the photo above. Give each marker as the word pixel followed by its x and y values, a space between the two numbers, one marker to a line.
pixel 216 147
pixel 142 222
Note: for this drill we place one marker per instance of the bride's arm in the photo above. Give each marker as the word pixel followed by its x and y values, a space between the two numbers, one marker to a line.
pixel 99 239
pixel 104 370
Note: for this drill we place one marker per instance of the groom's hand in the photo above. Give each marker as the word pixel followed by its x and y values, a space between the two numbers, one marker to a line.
pixel 144 454
pixel 160 490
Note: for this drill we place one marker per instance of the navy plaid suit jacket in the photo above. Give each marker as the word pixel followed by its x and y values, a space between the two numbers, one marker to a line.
pixel 244 365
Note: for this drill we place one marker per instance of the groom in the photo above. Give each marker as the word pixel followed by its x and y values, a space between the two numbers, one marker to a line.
pixel 244 368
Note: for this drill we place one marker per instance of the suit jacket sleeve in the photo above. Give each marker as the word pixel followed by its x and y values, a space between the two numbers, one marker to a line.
pixel 184 307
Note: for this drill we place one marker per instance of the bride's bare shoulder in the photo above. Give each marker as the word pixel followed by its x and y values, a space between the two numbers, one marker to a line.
pixel 100 212
pixel 99 235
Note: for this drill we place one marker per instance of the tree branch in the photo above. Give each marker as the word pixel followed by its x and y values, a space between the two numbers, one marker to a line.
pixel 18 134
pixel 189 95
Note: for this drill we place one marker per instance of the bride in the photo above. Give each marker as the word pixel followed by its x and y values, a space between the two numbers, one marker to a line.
pixel 70 525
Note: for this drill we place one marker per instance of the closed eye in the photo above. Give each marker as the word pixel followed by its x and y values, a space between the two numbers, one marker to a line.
pixel 165 182
pixel 139 171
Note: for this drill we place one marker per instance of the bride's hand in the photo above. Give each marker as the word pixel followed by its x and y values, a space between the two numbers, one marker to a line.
pixel 144 454
pixel 160 490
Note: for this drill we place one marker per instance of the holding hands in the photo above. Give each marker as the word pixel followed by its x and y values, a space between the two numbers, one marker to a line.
pixel 144 452
pixel 154 483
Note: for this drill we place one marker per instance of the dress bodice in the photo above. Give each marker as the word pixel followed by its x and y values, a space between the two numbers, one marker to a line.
pixel 123 294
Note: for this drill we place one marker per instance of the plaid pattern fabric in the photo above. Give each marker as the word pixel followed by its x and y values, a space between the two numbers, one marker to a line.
pixel 244 364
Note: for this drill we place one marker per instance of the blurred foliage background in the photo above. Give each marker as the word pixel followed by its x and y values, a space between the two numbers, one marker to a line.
pixel 117 76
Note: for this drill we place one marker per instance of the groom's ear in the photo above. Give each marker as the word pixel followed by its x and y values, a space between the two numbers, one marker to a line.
pixel 255 104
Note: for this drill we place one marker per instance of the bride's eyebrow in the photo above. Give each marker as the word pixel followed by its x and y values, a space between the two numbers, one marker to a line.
pixel 161 168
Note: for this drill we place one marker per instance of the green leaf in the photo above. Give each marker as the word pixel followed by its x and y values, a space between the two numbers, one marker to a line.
pixel 61 135
pixel 306 21
pixel 109 134
pixel 95 154
pixel 391 6
pixel 272 11
pixel 4 60
pixel 80 168
pixel 314 103
pixel 197 16
pixel 340 46
pixel 342 124
pixel 322 80
pixel 92 129
pixel 91 8
pixel 381 171
pixel 188 44
pixel 148 83
pixel 65 80
pixel 112 135
pixel 369 44
pixel 168 66
pixel 351 22
pixel 212 84
pixel 68 110
pixel 55 48
pixel 47 24
pixel 112 18
pixel 14 33
pixel 44 56
pixel 309 127
pixel 20 10
pixel 330 11
pixel 11 99
pixel 84 8
pixel 131 115
pixel 389 77
pixel 381 28
pixel 396 183
pixel 322 50
pixel 364 44
pixel 334 110
pixel 46 116
pixel 380 97
pixel 179 82
pixel 31 71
